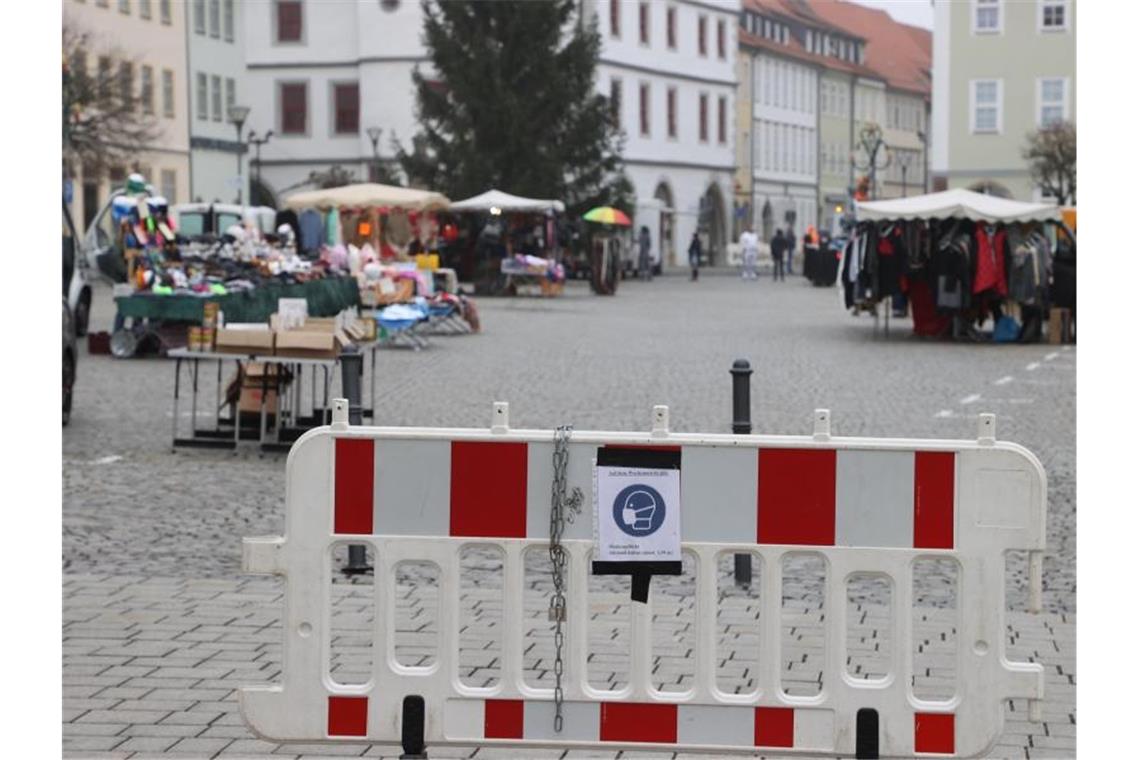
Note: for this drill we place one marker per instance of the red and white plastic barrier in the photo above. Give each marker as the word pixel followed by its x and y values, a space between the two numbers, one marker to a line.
pixel 865 505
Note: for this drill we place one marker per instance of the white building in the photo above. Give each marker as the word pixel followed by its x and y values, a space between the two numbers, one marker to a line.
pixel 320 74
pixel 671 67
pixel 215 81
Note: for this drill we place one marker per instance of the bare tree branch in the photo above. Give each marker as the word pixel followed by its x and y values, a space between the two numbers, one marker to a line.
pixel 1052 155
pixel 103 119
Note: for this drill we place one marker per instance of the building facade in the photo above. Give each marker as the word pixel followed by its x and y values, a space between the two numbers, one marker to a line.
pixel 1002 70
pixel 143 42
pixel 320 75
pixel 669 67
pixel 215 81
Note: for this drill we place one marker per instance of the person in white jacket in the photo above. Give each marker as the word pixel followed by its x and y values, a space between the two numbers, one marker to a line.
pixel 750 251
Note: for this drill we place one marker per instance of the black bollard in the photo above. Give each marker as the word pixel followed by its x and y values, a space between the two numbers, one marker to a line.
pixel 742 425
pixel 351 377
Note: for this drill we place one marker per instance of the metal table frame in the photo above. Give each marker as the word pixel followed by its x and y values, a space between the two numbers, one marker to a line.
pixel 289 405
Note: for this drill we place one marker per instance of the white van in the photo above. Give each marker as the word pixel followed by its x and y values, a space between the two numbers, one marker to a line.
pixel 213 219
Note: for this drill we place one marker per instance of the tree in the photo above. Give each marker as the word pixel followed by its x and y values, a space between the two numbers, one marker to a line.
pixel 1052 155
pixel 510 103
pixel 104 123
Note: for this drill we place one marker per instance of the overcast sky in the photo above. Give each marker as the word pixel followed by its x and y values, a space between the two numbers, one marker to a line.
pixel 913 12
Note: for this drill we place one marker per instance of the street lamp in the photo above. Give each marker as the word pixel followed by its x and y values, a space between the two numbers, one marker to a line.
pixel 904 163
pixel 257 142
pixel 871 140
pixel 238 115
pixel 925 168
pixel 374 136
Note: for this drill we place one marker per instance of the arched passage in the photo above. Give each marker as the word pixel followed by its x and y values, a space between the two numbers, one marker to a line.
pixel 711 224
pixel 260 194
pixel 989 187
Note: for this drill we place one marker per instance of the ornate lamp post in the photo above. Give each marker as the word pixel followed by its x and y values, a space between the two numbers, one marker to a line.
pixel 871 141
pixel 257 142
pixel 237 116
pixel 374 135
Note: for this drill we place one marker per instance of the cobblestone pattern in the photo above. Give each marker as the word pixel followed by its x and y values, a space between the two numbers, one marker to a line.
pixel 160 627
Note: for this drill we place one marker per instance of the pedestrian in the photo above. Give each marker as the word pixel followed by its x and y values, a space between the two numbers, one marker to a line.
pixel 778 249
pixel 750 250
pixel 643 268
pixel 695 254
pixel 790 247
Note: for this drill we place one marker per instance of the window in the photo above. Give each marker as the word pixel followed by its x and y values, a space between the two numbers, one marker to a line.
pixel 228 20
pixel 987 16
pixel 643 107
pixel 1051 101
pixel 169 185
pixel 643 22
pixel 168 93
pixel 702 28
pixel 615 101
pixel 722 120
pixel 294 100
pixel 126 81
pixel 985 105
pixel 164 11
pixel 1053 16
pixel 146 91
pixel 671 111
pixel 615 18
pixel 671 28
pixel 704 118
pixel 216 97
pixel 720 41
pixel 202 96
pixel 199 16
pixel 289 25
pixel 215 22
pixel 346 102
pixel 125 6
pixel 231 94
pixel 144 9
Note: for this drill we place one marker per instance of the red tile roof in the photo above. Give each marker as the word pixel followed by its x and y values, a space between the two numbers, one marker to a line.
pixel 898 54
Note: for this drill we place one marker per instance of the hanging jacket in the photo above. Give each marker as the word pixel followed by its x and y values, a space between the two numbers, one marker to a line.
pixel 1024 272
pixel 990 272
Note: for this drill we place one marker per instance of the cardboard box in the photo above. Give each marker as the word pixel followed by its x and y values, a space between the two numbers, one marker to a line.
pixel 245 339
pixel 310 344
pixel 250 401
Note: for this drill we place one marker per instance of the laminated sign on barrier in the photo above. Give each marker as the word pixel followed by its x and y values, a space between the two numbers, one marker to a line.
pixel 639 505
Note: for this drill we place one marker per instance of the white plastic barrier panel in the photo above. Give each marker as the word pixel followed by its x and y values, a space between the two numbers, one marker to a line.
pixel 867 506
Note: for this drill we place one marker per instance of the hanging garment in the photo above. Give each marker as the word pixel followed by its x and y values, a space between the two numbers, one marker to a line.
pixel 951 270
pixel 309 222
pixel 990 272
pixel 1024 275
pixel 927 321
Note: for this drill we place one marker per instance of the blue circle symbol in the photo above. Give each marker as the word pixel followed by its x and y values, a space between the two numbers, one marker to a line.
pixel 639 510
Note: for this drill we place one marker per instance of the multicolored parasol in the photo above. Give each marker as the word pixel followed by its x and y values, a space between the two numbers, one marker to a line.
pixel 607 215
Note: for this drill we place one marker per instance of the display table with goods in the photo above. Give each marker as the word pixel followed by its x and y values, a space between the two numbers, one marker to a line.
pixel 265 397
pixel 963 265
pixel 532 275
pixel 244 277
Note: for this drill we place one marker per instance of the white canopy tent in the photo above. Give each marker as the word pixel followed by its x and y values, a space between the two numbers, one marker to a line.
pixel 369 195
pixel 506 202
pixel 957 204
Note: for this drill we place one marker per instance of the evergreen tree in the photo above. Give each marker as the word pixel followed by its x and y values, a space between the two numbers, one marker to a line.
pixel 511 104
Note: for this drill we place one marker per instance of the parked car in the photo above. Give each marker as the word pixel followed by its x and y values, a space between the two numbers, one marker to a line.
pixel 76 282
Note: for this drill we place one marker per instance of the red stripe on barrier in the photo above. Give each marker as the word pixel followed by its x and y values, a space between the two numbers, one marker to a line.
pixel 633 722
pixel 503 719
pixel 934 732
pixel 775 726
pixel 354 470
pixel 488 489
pixel 795 502
pixel 934 500
pixel 348 716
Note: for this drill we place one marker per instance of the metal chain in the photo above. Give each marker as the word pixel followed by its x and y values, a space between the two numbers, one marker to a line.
pixel 558 517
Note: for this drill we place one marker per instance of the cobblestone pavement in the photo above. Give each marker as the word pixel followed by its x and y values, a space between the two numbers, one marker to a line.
pixel 160 626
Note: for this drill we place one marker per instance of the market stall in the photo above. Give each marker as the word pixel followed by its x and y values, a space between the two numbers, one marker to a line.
pixel 519 237
pixel 387 238
pixel 965 265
